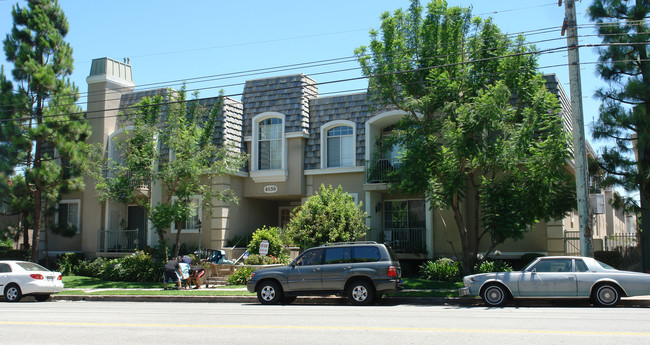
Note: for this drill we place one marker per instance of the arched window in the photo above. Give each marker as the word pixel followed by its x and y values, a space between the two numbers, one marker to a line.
pixel 269 144
pixel 340 145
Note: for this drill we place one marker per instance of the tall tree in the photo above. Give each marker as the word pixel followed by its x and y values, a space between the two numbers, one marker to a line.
pixel 624 118
pixel 43 130
pixel 481 127
pixel 171 146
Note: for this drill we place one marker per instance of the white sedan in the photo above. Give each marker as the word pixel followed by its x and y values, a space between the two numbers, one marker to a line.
pixel 558 277
pixel 21 278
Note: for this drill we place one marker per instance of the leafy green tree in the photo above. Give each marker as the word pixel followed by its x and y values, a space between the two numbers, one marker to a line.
pixel 171 146
pixel 481 127
pixel 623 117
pixel 330 215
pixel 43 131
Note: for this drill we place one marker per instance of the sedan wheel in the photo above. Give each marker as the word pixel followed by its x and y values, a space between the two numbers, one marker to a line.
pixel 606 295
pixel 269 292
pixel 13 293
pixel 494 295
pixel 361 293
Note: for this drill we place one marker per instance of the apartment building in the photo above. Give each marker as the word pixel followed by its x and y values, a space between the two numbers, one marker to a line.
pixel 296 141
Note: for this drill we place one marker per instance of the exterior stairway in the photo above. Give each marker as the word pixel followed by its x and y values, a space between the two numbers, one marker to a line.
pixel 217 275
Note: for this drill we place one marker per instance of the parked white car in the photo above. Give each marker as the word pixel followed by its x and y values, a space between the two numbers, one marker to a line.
pixel 22 278
pixel 558 277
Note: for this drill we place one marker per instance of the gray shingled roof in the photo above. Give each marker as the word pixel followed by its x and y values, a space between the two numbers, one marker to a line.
pixel 353 107
pixel 228 126
pixel 288 95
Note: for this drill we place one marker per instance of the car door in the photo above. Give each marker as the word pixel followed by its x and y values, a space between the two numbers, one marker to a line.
pixel 336 265
pixel 553 277
pixel 5 271
pixel 305 273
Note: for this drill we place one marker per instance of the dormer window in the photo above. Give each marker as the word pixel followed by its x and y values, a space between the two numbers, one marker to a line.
pixel 269 156
pixel 338 144
pixel 339 147
pixel 269 144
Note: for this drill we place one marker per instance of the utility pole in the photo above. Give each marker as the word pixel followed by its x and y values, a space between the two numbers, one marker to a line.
pixel 579 145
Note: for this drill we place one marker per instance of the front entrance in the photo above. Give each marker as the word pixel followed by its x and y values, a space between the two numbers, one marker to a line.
pixel 136 220
pixel 284 215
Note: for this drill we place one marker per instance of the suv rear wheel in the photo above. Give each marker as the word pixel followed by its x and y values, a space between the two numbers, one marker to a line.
pixel 360 292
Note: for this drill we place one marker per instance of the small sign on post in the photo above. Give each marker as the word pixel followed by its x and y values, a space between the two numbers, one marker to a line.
pixel 264 247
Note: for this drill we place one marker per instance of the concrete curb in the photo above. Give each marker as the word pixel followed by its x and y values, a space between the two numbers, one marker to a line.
pixel 334 300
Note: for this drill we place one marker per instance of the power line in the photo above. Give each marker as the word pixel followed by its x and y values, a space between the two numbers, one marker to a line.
pixel 320 63
pixel 316 84
pixel 312 64
pixel 557 49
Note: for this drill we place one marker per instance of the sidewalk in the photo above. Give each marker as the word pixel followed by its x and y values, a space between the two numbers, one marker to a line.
pixel 638 302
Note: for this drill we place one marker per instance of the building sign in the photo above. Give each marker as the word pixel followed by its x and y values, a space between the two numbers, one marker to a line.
pixel 270 189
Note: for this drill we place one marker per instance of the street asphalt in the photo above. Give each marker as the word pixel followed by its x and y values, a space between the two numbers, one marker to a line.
pixel 639 301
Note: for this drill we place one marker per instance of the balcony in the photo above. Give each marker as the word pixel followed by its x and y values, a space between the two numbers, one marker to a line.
pixel 378 170
pixel 403 240
pixel 118 241
pixel 140 185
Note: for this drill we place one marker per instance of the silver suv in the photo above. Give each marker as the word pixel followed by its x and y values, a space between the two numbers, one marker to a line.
pixel 362 271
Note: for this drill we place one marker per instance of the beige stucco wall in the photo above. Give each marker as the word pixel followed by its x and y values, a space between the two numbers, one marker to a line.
pixel 60 243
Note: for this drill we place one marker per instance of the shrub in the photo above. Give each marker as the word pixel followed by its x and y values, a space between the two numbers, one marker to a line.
pixel 140 267
pixel 256 259
pixel 14 254
pixel 137 267
pixel 90 268
pixel 443 269
pixel 241 276
pixel 612 258
pixel 493 266
pixel 272 235
pixel 110 270
pixel 67 262
pixel 330 215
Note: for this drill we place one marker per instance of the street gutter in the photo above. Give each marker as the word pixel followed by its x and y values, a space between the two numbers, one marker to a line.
pixel 643 301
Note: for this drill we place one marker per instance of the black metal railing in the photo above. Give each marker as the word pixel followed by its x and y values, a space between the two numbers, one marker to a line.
pixel 134 181
pixel 117 241
pixel 620 242
pixel 403 241
pixel 378 170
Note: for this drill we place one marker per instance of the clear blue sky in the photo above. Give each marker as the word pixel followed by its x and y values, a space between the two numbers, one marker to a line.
pixel 171 40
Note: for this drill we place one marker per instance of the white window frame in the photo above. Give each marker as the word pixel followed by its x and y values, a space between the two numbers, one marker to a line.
pixel 323 142
pixel 268 175
pixel 355 196
pixel 70 201
pixel 199 213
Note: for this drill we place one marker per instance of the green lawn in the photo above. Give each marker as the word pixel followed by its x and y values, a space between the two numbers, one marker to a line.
pixel 418 283
pixel 77 285
pixel 161 292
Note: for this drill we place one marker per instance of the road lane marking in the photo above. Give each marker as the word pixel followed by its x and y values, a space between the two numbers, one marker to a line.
pixel 337 328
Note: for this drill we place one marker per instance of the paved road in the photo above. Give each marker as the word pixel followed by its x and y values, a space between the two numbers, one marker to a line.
pixel 237 323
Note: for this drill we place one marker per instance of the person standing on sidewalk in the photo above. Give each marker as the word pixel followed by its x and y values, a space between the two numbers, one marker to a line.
pixel 173 272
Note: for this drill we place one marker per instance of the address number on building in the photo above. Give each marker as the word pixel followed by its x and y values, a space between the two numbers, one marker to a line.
pixel 270 189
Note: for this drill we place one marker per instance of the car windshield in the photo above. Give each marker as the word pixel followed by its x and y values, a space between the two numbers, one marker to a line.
pixel 606 266
pixel 30 266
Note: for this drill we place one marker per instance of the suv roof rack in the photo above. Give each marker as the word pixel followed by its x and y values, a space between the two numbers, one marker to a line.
pixel 344 243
